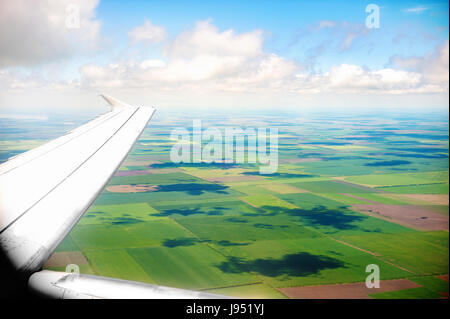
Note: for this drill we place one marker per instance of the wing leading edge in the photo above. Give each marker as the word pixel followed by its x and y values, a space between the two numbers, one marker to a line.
pixel 45 191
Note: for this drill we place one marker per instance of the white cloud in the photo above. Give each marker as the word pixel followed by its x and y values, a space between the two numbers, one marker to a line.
pixel 147 34
pixel 418 9
pixel 339 34
pixel 350 32
pixel 202 57
pixel 205 59
pixel 434 66
pixel 153 63
pixel 33 32
pixel 347 41
pixel 205 39
pixel 353 78
pixel 324 24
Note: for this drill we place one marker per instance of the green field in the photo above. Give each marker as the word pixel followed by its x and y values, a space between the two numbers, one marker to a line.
pixel 438 188
pixel 400 179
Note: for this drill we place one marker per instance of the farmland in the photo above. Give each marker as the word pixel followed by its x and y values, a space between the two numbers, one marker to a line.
pixel 336 204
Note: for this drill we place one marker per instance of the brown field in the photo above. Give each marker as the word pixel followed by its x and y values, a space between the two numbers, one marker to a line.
pixel 411 216
pixel 340 180
pixel 443 277
pixel 140 188
pixel 346 291
pixel 283 188
pixel 62 259
pixel 360 198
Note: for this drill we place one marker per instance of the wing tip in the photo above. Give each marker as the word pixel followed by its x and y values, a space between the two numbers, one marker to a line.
pixel 115 103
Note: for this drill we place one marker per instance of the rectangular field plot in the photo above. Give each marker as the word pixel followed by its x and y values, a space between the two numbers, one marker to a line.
pixel 268 201
pixel 419 252
pixel 331 187
pixel 154 179
pixel 215 173
pixel 418 189
pixel 117 214
pixel 308 200
pixel 68 244
pixel 230 208
pixel 422 199
pixel 415 217
pixel 240 230
pixel 250 188
pixel 117 264
pixel 305 261
pixel 339 168
pixel 142 234
pixel 379 199
pixel 189 267
pixel 364 198
pixel 399 179
pixel 285 176
pixel 170 193
pixel 345 199
pixel 281 188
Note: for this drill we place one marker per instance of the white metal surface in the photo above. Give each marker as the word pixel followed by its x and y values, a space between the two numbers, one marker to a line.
pixel 61 285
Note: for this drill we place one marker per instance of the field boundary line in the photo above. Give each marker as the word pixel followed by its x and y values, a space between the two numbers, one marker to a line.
pixel 399 267
pixel 353 246
pixel 376 255
pixel 234 286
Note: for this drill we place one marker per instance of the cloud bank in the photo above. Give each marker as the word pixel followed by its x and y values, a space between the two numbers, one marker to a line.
pixel 205 58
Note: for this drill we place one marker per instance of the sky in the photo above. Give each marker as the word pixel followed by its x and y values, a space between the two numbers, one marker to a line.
pixel 60 55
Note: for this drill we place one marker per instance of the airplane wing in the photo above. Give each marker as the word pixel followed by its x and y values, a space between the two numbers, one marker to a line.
pixel 45 191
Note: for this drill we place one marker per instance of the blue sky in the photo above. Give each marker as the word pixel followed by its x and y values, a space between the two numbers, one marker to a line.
pixel 285 21
pixel 226 53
